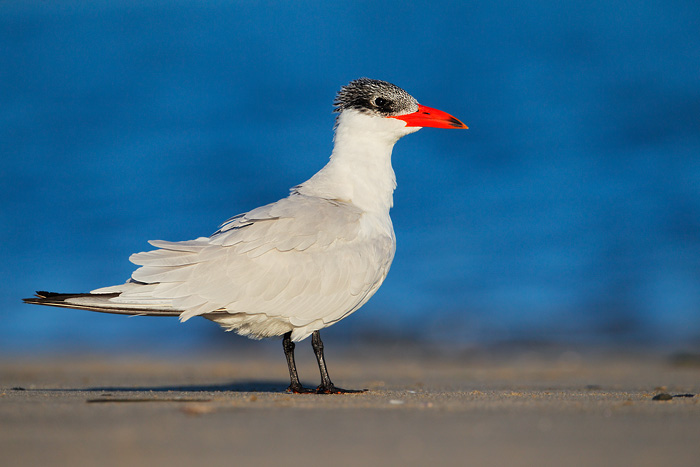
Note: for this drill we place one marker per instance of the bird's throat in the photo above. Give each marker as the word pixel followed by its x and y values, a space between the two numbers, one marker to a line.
pixel 359 170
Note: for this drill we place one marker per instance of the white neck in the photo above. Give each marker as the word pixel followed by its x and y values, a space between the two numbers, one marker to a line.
pixel 359 170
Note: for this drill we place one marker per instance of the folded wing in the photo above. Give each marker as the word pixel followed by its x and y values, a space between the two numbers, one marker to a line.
pixel 297 265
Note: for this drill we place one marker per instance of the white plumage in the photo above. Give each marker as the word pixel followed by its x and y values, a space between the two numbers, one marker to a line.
pixel 298 265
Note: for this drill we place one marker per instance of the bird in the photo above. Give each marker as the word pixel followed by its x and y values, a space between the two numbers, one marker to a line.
pixel 295 266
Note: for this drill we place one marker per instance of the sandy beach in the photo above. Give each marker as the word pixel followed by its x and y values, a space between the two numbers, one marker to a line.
pixel 428 408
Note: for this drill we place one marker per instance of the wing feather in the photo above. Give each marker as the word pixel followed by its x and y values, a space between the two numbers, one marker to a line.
pixel 298 263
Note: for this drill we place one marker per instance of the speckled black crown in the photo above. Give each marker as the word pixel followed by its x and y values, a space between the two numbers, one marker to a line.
pixel 372 96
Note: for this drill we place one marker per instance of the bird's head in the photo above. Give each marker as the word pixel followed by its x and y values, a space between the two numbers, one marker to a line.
pixel 382 100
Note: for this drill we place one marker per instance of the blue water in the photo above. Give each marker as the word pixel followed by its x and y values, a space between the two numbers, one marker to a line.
pixel 569 211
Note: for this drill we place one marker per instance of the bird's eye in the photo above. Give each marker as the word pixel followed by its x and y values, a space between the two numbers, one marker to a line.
pixel 380 102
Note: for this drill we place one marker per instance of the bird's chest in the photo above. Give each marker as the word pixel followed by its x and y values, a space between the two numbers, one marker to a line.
pixel 377 239
pixel 376 227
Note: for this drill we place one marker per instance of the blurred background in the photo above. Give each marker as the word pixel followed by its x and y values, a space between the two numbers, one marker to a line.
pixel 568 213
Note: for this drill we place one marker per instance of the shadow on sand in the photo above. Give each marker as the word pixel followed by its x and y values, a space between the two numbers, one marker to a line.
pixel 243 386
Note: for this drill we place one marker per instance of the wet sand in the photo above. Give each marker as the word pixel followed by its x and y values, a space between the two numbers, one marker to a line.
pixel 424 409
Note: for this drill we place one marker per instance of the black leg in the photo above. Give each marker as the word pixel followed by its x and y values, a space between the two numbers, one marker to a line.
pixel 294 385
pixel 327 386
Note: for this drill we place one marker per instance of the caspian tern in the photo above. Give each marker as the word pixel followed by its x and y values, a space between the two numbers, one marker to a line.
pixel 296 266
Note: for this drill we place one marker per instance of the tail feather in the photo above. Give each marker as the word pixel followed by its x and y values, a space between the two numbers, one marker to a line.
pixel 99 302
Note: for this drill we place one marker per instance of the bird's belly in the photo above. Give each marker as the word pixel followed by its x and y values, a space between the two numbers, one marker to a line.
pixel 303 291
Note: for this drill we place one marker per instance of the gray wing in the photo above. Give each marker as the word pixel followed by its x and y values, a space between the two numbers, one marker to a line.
pixel 299 264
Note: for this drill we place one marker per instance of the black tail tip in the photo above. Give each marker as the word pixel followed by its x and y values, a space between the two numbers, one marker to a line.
pixel 42 295
pixel 45 294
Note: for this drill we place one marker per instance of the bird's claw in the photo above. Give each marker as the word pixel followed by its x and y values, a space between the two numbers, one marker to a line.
pixel 321 389
pixel 300 390
pixel 332 389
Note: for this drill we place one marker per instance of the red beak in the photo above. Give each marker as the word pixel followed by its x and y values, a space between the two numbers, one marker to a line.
pixel 428 117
